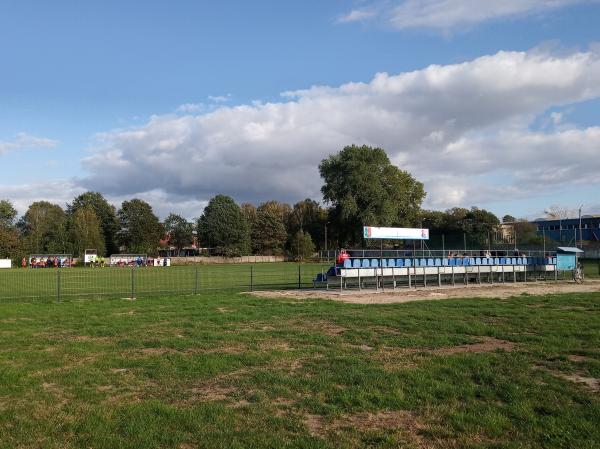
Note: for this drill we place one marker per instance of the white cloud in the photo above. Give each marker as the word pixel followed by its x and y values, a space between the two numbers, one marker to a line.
pixel 219 98
pixel 448 15
pixel 357 15
pixel 190 108
pixel 463 129
pixel 26 141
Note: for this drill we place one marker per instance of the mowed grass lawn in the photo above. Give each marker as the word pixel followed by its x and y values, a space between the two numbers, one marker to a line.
pixel 227 370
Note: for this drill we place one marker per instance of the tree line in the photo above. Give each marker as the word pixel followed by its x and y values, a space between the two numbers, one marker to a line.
pixel 360 187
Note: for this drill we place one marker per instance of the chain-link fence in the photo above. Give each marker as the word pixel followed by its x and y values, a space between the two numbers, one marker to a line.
pixel 57 284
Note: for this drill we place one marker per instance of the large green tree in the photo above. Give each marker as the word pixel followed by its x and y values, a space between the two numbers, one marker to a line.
pixel 8 213
pixel 268 232
pixel 223 228
pixel 309 217
pixel 179 230
pixel 44 227
pixel 11 244
pixel 85 231
pixel 301 246
pixel 105 212
pixel 140 230
pixel 365 188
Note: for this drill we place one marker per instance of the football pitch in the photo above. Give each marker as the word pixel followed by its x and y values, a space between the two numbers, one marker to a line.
pixel 77 282
pixel 230 370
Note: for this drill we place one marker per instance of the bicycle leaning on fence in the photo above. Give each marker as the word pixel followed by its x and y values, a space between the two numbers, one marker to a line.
pixel 578 274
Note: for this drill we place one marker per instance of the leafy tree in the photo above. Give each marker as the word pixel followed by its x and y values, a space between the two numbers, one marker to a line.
pixel 249 214
pixel 479 224
pixel 508 219
pixel 7 214
pixel 105 212
pixel 44 226
pixel 179 230
pixel 364 188
pixel 308 216
pixel 223 227
pixel 268 233
pixel 140 230
pixel 302 246
pixel 85 231
pixel 11 245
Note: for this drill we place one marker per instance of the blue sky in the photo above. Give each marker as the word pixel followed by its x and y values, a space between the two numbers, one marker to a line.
pixel 114 96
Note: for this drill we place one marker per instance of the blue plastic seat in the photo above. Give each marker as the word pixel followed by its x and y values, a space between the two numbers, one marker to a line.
pixel 471 261
pixel 430 263
pixel 391 263
pixel 407 262
pixel 399 262
pixel 365 263
pixel 525 261
pixel 356 263
pixel 445 262
pixel 347 263
pixel 513 261
pixel 438 262
pixel 374 263
pixel 478 261
pixel 519 261
pixel 422 262
pixel 496 261
pixel 554 260
pixel 452 262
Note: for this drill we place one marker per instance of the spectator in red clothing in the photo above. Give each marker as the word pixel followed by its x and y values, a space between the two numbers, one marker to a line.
pixel 342 256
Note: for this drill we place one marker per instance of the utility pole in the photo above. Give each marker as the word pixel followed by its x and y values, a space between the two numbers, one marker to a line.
pixel 580 234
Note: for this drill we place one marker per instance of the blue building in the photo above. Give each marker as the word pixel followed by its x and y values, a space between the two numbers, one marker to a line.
pixel 567 229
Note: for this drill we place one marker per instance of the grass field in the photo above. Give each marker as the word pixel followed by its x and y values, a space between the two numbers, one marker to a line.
pixel 226 370
pixel 119 282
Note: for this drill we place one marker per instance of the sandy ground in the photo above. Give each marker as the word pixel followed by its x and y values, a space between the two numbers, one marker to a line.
pixel 432 293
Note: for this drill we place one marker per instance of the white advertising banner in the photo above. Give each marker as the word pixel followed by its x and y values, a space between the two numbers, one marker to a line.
pixel 373 232
pixel 5 263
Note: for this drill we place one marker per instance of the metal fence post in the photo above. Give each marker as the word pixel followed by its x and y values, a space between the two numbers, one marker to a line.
pixel 251 278
pixel 196 282
pixel 299 278
pixel 58 284
pixel 132 283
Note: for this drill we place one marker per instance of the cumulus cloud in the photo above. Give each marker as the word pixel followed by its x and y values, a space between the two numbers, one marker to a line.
pixel 26 141
pixel 463 129
pixel 451 14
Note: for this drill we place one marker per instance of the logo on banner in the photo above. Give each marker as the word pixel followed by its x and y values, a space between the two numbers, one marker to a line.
pixel 425 233
pixel 367 232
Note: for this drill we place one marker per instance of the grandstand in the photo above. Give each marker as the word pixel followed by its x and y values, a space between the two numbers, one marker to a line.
pixel 361 270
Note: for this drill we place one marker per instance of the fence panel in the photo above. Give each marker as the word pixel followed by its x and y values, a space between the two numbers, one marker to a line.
pixel 56 284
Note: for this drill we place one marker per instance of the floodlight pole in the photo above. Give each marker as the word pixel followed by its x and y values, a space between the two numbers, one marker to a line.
pixel 580 233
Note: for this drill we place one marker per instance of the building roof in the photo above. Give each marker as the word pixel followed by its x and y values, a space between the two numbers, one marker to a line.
pixel 569 249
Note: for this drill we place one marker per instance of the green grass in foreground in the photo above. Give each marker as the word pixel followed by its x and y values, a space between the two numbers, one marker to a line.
pixel 233 371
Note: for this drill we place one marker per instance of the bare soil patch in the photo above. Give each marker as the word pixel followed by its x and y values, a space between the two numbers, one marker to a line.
pixel 211 392
pixel 591 383
pixel 401 420
pixel 578 358
pixel 506 290
pixel 487 344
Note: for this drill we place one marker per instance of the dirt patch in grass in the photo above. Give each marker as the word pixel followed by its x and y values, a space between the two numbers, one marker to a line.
pixel 591 383
pixel 578 358
pixel 487 344
pixel 400 420
pixel 505 290
pixel 398 358
pixel 211 392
